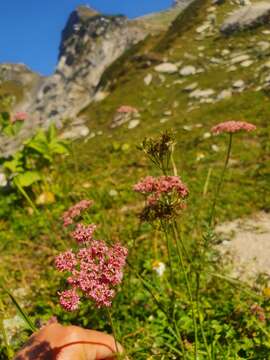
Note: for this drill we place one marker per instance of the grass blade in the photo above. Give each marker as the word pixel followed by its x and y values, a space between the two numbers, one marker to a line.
pixel 22 314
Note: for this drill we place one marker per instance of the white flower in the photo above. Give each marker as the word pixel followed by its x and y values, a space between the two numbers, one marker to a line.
pixel 113 193
pixel 3 180
pixel 200 156
pixel 159 267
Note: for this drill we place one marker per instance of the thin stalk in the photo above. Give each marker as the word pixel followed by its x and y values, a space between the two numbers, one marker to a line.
pixel 161 308
pixel 113 331
pixel 178 235
pixel 21 312
pixel 24 193
pixel 173 161
pixel 188 287
pixel 212 213
pixel 148 288
pixel 171 269
pixel 206 184
pixel 200 320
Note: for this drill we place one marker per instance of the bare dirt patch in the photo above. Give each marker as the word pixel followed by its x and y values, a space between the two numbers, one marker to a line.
pixel 247 241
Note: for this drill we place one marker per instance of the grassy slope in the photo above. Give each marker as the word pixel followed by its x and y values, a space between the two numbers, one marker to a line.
pixel 159 97
pixel 98 166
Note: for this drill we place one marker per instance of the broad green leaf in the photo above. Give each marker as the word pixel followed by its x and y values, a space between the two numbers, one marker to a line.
pixel 27 179
pixel 15 165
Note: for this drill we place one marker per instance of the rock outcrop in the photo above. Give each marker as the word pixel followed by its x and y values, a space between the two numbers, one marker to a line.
pixel 90 43
pixel 22 80
pixel 248 17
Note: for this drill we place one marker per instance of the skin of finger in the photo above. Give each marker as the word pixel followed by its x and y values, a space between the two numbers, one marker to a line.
pixel 58 336
pixel 85 351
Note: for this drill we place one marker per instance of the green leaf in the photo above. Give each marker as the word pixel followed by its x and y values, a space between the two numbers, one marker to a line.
pixel 27 179
pixel 52 132
pixel 15 165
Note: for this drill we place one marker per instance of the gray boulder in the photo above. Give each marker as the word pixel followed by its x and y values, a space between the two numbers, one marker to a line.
pixel 248 17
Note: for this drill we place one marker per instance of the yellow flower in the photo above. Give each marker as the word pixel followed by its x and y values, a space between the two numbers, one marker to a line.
pixel 266 292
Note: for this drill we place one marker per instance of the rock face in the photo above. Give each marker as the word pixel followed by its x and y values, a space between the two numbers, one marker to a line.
pixel 247 17
pixel 90 43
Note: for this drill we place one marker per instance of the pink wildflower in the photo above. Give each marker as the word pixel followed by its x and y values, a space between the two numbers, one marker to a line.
pixel 102 295
pixel 83 233
pixel 165 196
pixel 146 186
pixel 19 116
pixel 126 109
pixel 99 270
pixel 75 211
pixel 232 127
pixel 69 299
pixel 161 185
pixel 167 184
pixel 258 311
pixel 66 261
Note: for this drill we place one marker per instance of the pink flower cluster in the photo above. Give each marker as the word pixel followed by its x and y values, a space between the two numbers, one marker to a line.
pixel 258 311
pixel 126 109
pixel 156 187
pixel 19 116
pixel 232 127
pixel 94 270
pixel 75 211
pixel 69 299
pixel 84 233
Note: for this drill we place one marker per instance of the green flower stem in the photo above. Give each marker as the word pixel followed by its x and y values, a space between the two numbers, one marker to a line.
pixel 200 320
pixel 178 235
pixel 188 287
pixel 212 213
pixel 170 267
pixel 161 308
pixel 113 331
pixel 24 193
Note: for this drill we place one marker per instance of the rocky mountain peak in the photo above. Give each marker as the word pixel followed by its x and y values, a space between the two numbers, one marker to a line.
pixel 76 21
pixel 85 11
pixel 90 43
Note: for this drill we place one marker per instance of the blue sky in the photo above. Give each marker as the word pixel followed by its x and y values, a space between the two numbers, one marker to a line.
pixel 31 29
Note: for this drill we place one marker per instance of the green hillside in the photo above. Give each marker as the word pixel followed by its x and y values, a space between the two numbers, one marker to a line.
pixel 105 166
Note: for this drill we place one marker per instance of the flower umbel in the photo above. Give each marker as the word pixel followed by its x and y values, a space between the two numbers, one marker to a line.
pixel 75 211
pixel 84 233
pixel 258 311
pixel 159 150
pixel 66 261
pixel 232 127
pixel 69 299
pixel 94 269
pixel 98 270
pixel 19 116
pixel 165 196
